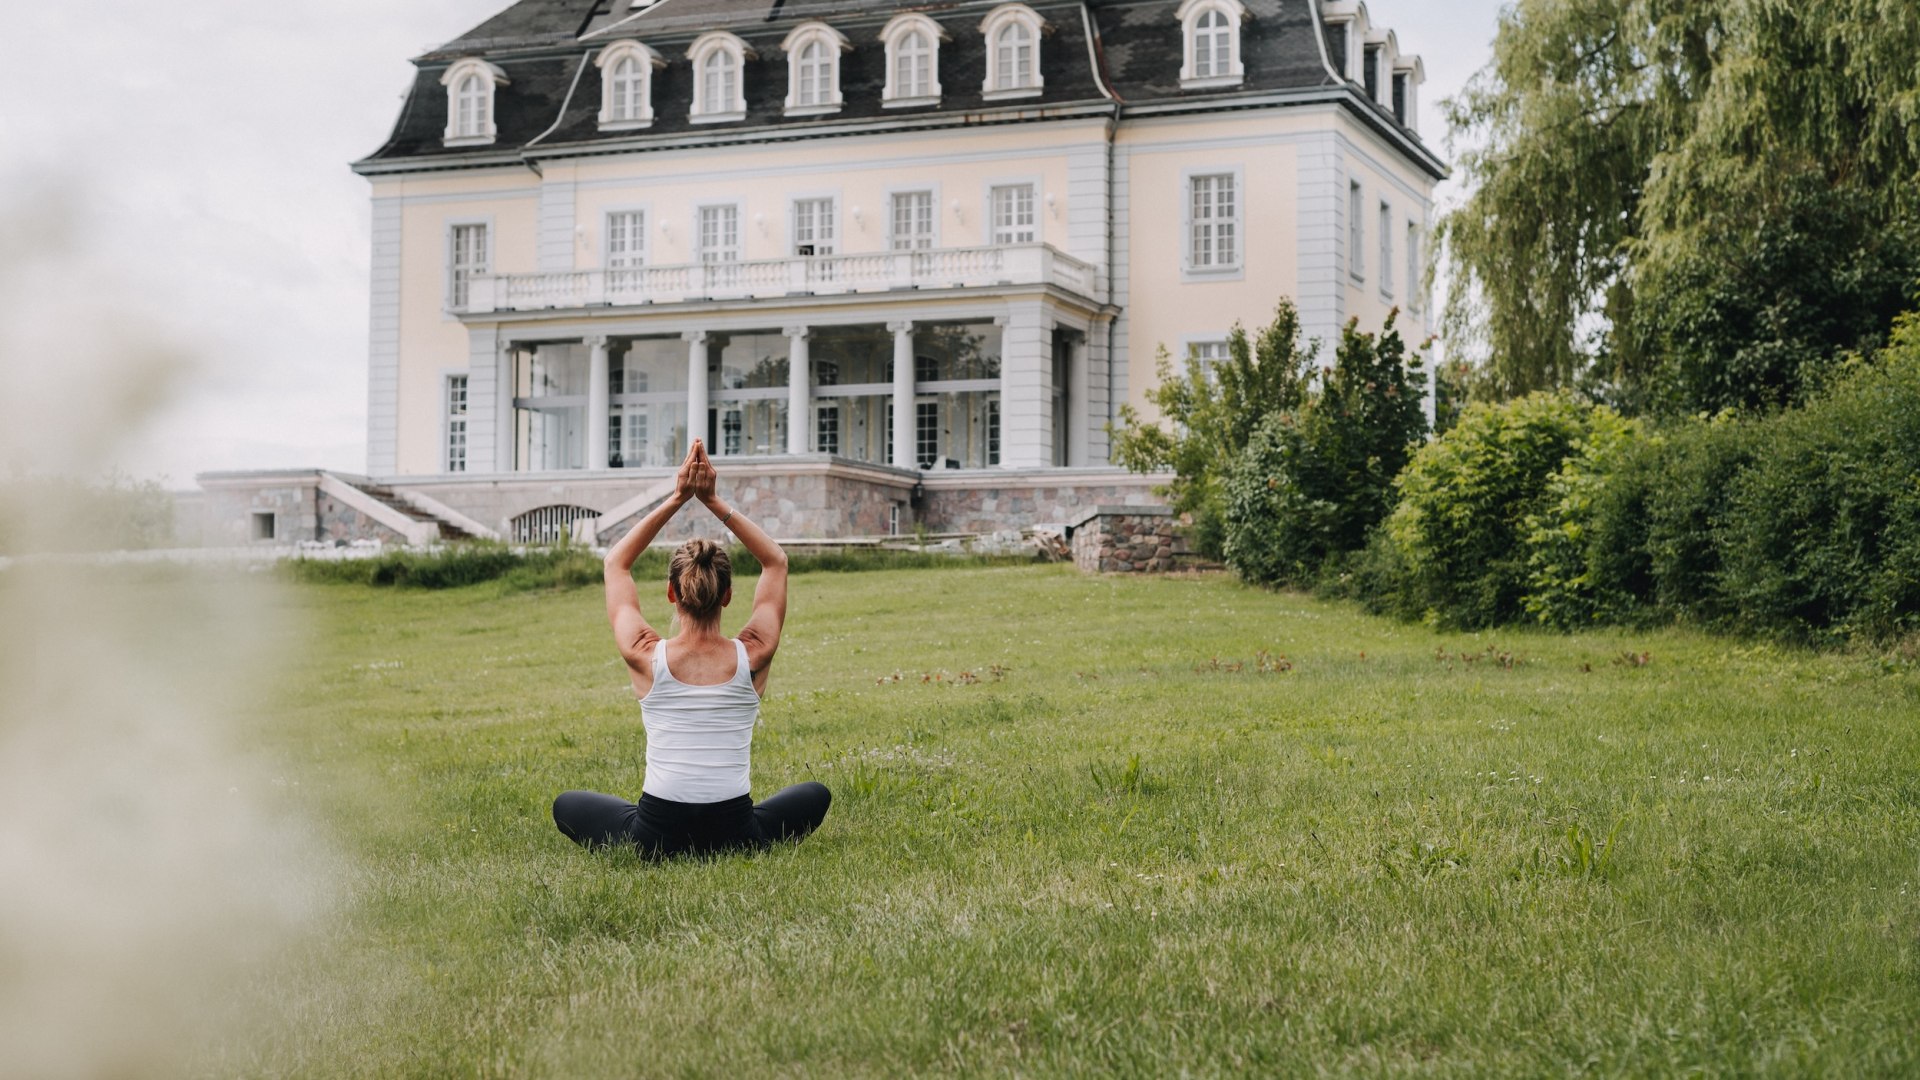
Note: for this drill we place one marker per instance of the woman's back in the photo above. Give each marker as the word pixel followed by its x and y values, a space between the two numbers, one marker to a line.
pixel 699 732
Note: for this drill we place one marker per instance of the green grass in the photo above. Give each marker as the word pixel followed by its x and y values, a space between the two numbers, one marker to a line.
pixel 1110 826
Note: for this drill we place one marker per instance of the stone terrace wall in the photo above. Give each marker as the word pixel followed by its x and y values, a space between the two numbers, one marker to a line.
pixel 1124 539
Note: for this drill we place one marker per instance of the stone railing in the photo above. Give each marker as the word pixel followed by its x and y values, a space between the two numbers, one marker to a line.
pixel 1124 539
pixel 816 275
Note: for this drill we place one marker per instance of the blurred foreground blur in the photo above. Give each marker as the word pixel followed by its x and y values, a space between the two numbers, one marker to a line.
pixel 150 867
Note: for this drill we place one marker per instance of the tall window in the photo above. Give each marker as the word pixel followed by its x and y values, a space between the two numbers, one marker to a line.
pixel 1013 51
pixel 456 423
pixel 913 60
pixel 1356 232
pixel 626 85
pixel 730 427
pixel 717 59
pixel 813 68
pixel 912 221
pixel 1013 221
pixel 1212 30
pixel 1214 223
pixel 926 434
pixel 470 84
pixel 826 429
pixel 1413 267
pixel 1370 61
pixel 913 66
pixel 813 75
pixel 626 239
pixel 993 432
pixel 813 227
pixel 719 234
pixel 1210 355
pixel 1386 250
pixel 467 257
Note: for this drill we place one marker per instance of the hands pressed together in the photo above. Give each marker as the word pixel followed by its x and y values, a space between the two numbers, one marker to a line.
pixel 695 481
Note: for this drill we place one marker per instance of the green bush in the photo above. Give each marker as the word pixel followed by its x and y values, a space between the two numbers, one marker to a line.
pixel 1687 505
pixel 1587 548
pixel 1461 526
pixel 1313 481
pixel 1822 537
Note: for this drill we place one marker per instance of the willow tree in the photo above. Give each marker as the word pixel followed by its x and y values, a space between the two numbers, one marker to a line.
pixel 1692 199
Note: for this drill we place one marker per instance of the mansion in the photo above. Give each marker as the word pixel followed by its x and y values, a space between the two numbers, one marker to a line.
pixel 898 265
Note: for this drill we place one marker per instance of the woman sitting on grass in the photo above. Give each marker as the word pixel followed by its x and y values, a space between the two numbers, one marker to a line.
pixel 699 695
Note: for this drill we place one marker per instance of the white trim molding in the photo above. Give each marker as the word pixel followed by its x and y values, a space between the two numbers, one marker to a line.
pixel 895 35
pixel 633 114
pixel 1025 80
pixel 1232 13
pixel 481 79
pixel 706 49
pixel 800 45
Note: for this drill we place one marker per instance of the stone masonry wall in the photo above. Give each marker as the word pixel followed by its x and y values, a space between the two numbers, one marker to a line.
pixel 1123 539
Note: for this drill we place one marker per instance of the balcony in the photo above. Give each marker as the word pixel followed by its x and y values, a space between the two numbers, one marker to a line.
pixel 799 275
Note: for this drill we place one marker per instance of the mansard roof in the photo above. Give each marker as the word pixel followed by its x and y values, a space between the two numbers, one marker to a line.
pixel 1096 54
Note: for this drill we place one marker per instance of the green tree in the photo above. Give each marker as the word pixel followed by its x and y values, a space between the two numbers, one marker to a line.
pixel 1636 165
pixel 1208 414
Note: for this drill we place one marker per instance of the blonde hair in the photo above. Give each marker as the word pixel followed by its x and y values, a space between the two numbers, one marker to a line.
pixel 700 573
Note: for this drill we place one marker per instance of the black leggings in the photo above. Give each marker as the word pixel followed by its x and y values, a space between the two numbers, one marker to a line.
pixel 661 827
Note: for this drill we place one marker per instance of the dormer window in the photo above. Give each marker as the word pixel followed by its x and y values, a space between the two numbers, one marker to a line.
pixel 626 86
pixel 913 61
pixel 1370 71
pixel 813 69
pixel 1212 29
pixel 1013 52
pixel 470 85
pixel 718 58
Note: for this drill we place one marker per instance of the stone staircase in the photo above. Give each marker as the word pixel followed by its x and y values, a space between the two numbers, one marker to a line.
pixel 401 505
pixel 415 516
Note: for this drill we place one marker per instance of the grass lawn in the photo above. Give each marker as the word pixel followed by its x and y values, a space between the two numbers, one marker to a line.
pixel 1109 826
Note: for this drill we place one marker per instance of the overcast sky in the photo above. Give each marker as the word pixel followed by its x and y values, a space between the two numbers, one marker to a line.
pixel 202 148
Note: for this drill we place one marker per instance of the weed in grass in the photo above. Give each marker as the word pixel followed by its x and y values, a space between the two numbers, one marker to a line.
pixel 1127 778
pixel 1579 854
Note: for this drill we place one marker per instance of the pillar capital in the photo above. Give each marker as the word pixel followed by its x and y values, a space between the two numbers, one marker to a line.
pixel 904 326
pixel 693 336
pixel 596 341
pixel 798 331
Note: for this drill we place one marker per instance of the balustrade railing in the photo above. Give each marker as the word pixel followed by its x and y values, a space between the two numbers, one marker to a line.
pixel 939 268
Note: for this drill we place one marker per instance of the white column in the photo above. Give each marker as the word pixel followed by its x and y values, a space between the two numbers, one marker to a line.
pixel 902 395
pixel 507 440
pixel 1076 391
pixel 799 391
pixel 597 401
pixel 696 386
pixel 1026 386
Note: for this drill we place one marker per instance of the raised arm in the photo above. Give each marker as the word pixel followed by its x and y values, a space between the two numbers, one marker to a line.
pixel 631 631
pixel 761 635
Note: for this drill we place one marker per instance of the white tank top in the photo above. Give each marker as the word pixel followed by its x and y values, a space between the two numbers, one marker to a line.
pixel 698 737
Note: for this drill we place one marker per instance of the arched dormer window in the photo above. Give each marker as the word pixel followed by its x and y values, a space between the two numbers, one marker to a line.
pixel 913 61
pixel 1013 52
pixel 470 85
pixel 626 85
pixel 813 68
pixel 1212 52
pixel 718 96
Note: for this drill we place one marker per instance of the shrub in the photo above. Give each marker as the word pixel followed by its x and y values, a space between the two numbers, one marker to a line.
pixel 1587 547
pixel 1208 415
pixel 1313 481
pixel 1460 528
pixel 1686 511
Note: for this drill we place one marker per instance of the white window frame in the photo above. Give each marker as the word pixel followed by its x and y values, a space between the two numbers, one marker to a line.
pixel 998 21
pixel 895 35
pixel 699 235
pixel 1356 231
pixel 1227 270
pixel 1216 343
pixel 1190 13
pixel 633 259
pixel 645 60
pixel 822 412
pixel 452 423
pixel 932 192
pixel 483 130
pixel 831 44
pixel 831 243
pixel 712 43
pixel 1386 250
pixel 988 227
pixel 450 234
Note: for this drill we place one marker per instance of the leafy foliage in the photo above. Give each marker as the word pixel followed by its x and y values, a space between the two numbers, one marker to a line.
pixel 1210 413
pixel 1586 560
pixel 1313 481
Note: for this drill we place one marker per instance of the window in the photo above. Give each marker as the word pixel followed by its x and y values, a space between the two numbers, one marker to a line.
pixel 926 434
pixel 1012 207
pixel 467 256
pixel 826 429
pixel 456 423
pixel 717 94
pixel 719 233
pixel 1386 250
pixel 1370 70
pixel 1355 232
pixel 1209 355
pixel 993 432
pixel 730 426
pixel 813 227
pixel 912 221
pixel 1337 47
pixel 913 61
pixel 1212 53
pixel 1013 34
pixel 1413 267
pixel 647 401
pixel 470 85
pixel 957 371
pixel 626 248
pixel 262 522
pixel 813 68
pixel 1213 238
pixel 626 85
pixel 1400 96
